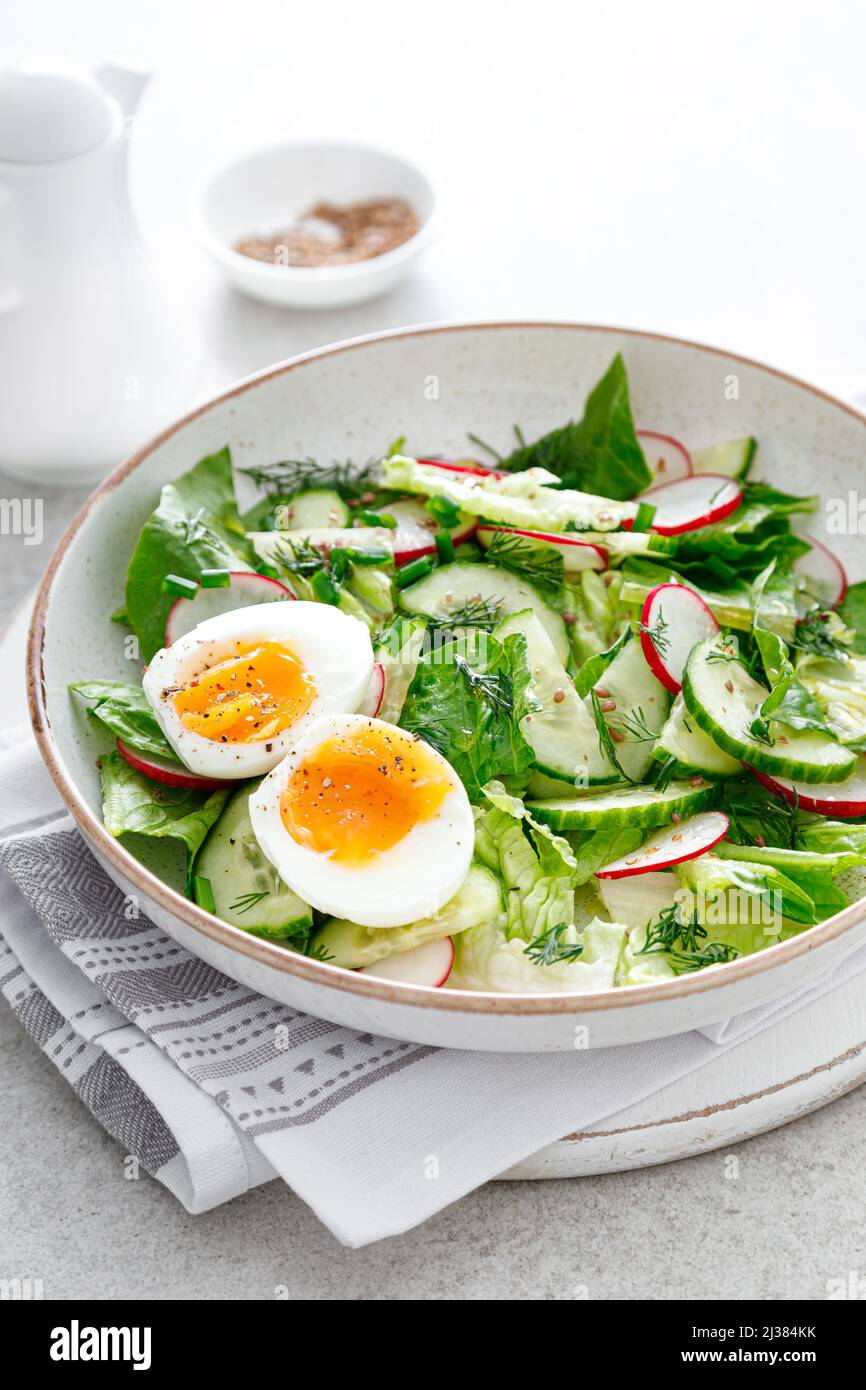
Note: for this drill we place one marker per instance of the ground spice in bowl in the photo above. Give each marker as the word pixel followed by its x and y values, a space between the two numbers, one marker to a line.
pixel 329 234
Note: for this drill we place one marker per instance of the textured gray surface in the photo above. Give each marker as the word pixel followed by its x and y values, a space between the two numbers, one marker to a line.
pixel 788 1223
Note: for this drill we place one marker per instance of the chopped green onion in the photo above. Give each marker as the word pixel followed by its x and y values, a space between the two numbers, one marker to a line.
pixel 324 589
pixel 443 511
pixel 215 579
pixel 377 519
pixel 645 513
pixel 203 893
pixel 416 569
pixel 444 547
pixel 176 584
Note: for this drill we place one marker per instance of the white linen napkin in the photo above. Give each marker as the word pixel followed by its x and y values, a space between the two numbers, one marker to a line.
pixel 214 1089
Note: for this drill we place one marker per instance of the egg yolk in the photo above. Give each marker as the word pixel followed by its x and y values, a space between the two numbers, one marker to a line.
pixel 247 698
pixel 357 794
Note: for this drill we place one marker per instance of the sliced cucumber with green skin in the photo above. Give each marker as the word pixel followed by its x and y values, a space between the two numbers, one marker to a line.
pixel 477 901
pixel 683 739
pixel 451 587
pixel 643 806
pixel 247 891
pixel 723 699
pixel 562 733
pixel 311 509
pixel 733 459
pixel 642 705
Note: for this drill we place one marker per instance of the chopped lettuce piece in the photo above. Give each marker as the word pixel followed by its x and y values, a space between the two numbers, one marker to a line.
pixel 126 711
pixel 838 689
pixel 486 959
pixel 852 611
pixel 536 866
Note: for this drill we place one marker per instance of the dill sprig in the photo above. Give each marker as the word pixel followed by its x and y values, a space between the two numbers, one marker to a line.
pixel 538 564
pixel 635 726
pixel 606 743
pixel 476 612
pixel 248 900
pixel 680 941
pixel 495 687
pixel 290 476
pixel 548 948
pixel 299 557
pixel 811 635
pixel 657 634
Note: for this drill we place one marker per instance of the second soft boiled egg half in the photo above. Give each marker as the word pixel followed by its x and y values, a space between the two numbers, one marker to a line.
pixel 365 821
pixel 234 694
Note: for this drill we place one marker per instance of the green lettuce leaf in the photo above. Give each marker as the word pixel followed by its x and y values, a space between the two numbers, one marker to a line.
pixel 486 959
pixel 466 699
pixel 133 805
pixel 602 453
pixel 852 611
pixel 195 527
pixel 789 701
pixel 124 709
pixel 536 866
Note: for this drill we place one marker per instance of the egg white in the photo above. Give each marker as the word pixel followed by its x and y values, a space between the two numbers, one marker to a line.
pixel 332 646
pixel 411 880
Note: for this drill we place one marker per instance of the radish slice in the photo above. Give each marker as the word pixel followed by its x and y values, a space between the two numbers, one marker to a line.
pixel 688 503
pixel 428 965
pixel 673 620
pixel 243 591
pixel 168 773
pixel 667 458
pixel 672 845
pixel 375 692
pixel 476 469
pixel 823 573
pixel 577 555
pixel 839 800
pixel 416 529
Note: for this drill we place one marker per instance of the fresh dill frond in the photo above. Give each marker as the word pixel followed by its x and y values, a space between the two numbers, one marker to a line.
pixel 680 940
pixel 548 948
pixel 811 635
pixel 666 772
pixel 606 743
pixel 291 476
pixel 494 687
pixel 317 952
pixel 475 612
pixel 634 725
pixel 658 634
pixel 488 448
pixel 299 557
pixel 248 900
pixel 538 564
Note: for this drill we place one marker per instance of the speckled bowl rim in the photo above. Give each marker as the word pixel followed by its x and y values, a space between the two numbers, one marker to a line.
pixel 320 972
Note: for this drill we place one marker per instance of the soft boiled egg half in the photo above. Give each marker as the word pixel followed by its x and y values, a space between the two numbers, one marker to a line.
pixel 365 821
pixel 233 695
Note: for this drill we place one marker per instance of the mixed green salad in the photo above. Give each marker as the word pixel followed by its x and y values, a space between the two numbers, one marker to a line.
pixel 588 713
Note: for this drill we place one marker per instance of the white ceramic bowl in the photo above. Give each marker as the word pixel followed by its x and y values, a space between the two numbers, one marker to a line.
pixel 265 190
pixel 350 400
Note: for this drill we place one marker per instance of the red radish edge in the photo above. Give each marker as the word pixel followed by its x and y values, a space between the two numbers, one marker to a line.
pixel 844 810
pixel 652 657
pixel 168 641
pixel 478 472
pixel 674 444
pixel 708 518
pixel 371 969
pixel 375 690
pixel 563 538
pixel 458 536
pixel 658 867
pixel 836 564
pixel 161 770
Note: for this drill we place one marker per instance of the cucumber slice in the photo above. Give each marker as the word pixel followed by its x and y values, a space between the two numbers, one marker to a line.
pixel 642 705
pixel 733 459
pixel 451 587
pixel 723 699
pixel 644 806
pixel 317 507
pixel 247 891
pixel 682 738
pixel 562 733
pixel 271 545
pixel 477 901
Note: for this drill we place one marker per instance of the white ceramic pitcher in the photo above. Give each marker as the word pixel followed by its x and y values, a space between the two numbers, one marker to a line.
pixel 90 358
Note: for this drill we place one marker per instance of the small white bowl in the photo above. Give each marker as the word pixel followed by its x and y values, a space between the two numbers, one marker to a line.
pixel 264 191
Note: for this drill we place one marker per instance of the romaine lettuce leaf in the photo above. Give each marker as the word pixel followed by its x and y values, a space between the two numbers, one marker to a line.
pixel 536 866
pixel 852 611
pixel 195 527
pixel 486 959
pixel 602 453
pixel 838 689
pixel 466 699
